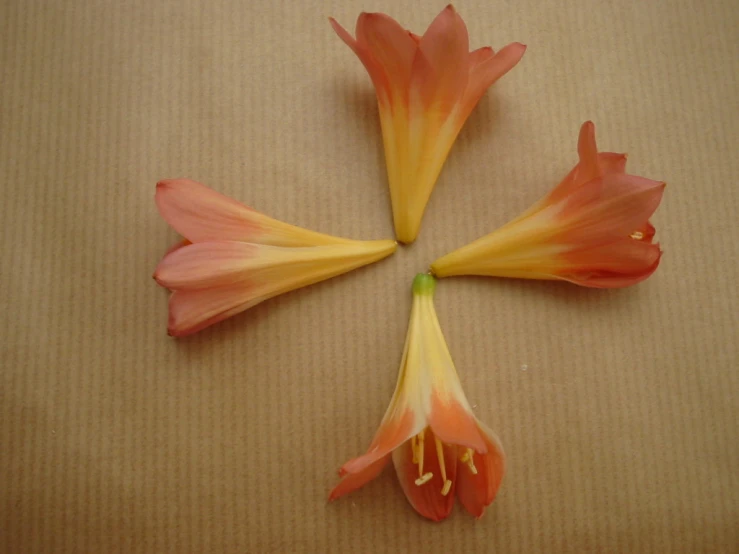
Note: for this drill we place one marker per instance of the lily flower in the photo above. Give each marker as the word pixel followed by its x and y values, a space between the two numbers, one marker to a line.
pixel 233 257
pixel 592 229
pixel 439 448
pixel 426 88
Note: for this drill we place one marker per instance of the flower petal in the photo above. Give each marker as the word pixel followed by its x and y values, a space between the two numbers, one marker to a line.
pixel 448 413
pixel 484 74
pixel 625 203
pixel 477 491
pixel 441 65
pixel 587 149
pixel 199 213
pixel 193 310
pixel 611 162
pixel 209 292
pixel 373 68
pixel 480 55
pixel 615 265
pixel 453 424
pixel 645 233
pixel 206 264
pixel 391 47
pixel 427 499
pixel 353 481
pixel 397 427
pixel 592 165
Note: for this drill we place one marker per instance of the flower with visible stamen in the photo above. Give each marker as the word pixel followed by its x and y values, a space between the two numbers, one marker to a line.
pixel 592 229
pixel 439 448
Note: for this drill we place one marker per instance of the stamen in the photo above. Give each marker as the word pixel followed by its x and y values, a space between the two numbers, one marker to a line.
pixel 442 466
pixel 440 455
pixel 638 235
pixel 469 458
pixel 423 479
pixel 414 449
pixel 420 456
pixel 446 488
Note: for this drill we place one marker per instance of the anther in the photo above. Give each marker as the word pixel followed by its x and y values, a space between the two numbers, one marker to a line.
pixel 423 479
pixel 469 458
pixel 446 488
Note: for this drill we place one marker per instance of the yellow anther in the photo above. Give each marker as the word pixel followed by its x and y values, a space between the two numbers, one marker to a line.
pixel 638 235
pixel 446 488
pixel 469 458
pixel 423 479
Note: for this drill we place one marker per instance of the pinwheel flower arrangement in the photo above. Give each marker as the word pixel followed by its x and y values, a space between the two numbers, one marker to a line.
pixel 592 230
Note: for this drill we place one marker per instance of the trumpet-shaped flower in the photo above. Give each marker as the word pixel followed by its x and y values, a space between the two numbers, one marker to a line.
pixel 592 229
pixel 233 257
pixel 439 448
pixel 426 88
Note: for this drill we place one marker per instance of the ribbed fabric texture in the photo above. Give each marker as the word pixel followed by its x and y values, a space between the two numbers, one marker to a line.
pixel 618 409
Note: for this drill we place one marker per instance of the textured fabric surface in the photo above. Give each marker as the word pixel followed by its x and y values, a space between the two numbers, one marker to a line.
pixel 618 409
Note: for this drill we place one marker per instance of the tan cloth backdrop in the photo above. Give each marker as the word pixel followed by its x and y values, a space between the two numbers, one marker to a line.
pixel 618 409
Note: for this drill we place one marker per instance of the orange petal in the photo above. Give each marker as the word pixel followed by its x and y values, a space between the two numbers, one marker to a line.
pixel 441 66
pixel 193 310
pixel 427 499
pixel 611 162
pixel 214 280
pixel 592 164
pixel 391 47
pixel 608 162
pixel 587 149
pixel 647 232
pixel 485 73
pixel 453 424
pixel 206 264
pixel 396 428
pixel 373 69
pixel 477 491
pixel 480 55
pixel 199 213
pixel 353 481
pixel 625 203
pixel 615 265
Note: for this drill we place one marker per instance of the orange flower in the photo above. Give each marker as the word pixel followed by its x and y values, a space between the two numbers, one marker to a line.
pixel 233 257
pixel 426 88
pixel 591 230
pixel 438 446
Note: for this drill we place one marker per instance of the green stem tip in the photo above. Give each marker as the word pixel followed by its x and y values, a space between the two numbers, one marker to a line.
pixel 423 283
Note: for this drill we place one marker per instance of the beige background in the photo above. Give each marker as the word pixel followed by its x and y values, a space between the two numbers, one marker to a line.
pixel 622 430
